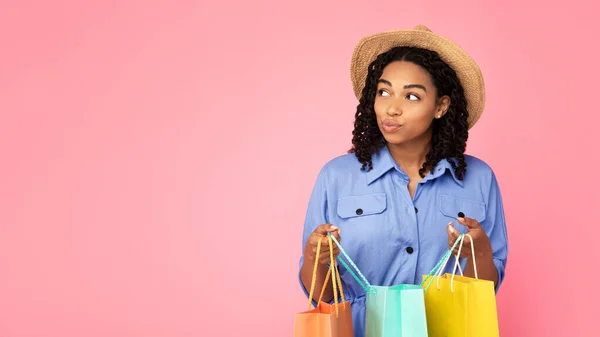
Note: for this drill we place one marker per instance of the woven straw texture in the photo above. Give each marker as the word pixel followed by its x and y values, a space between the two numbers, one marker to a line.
pixel 469 74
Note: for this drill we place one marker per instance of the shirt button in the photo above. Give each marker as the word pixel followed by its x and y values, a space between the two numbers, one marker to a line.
pixel 416 210
pixel 409 250
pixel 359 211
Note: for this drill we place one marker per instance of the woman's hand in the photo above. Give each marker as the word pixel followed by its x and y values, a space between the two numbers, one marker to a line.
pixel 310 250
pixel 481 241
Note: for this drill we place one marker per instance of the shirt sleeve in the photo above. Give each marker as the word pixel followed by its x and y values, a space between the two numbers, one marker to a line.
pixel 316 215
pixel 496 229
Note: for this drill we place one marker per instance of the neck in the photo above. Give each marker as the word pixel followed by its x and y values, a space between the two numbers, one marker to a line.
pixel 410 156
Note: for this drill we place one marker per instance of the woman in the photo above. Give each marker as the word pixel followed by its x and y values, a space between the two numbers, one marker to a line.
pixel 406 189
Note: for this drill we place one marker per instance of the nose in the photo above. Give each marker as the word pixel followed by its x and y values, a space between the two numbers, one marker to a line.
pixel 394 108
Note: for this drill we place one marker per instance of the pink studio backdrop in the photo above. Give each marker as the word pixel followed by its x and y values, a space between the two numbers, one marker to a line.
pixel 157 157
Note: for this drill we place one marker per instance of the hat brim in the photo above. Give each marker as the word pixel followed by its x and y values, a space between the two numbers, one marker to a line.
pixel 468 72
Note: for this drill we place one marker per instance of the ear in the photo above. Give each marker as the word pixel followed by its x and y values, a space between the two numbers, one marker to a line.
pixel 442 106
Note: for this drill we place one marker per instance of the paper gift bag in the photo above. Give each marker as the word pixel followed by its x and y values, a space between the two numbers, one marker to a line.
pixel 397 310
pixel 325 320
pixel 459 306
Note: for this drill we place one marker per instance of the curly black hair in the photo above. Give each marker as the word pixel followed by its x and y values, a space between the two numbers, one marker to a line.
pixel 449 134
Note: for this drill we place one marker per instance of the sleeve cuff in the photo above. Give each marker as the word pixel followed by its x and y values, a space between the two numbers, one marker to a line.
pixel 500 269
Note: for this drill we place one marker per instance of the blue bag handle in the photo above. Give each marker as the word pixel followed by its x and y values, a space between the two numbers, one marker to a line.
pixel 438 266
pixel 367 286
pixel 364 283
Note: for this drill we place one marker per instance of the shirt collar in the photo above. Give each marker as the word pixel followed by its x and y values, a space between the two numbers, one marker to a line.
pixel 383 162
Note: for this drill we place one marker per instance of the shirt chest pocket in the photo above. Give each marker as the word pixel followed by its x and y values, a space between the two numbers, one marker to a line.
pixel 454 207
pixel 361 205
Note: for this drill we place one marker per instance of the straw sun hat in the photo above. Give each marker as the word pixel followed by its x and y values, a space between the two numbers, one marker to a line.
pixel 469 74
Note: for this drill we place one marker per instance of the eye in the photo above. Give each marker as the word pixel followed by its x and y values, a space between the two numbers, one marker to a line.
pixel 413 97
pixel 383 93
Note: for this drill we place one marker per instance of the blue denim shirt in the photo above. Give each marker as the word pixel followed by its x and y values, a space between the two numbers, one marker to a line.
pixel 393 238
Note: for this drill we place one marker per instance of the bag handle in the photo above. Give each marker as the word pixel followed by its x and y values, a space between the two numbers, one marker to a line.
pixel 336 280
pixel 436 271
pixel 363 283
pixel 457 260
pixel 459 241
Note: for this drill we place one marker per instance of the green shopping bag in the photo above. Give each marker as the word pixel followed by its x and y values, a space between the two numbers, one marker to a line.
pixel 397 311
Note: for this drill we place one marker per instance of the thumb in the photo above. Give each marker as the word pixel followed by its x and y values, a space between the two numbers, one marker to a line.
pixel 332 228
pixel 325 229
pixel 452 231
pixel 468 222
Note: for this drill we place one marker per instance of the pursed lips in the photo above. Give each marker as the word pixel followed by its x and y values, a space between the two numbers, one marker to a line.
pixel 390 125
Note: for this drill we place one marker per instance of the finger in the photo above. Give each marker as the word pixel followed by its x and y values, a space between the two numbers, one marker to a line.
pixel 469 222
pixel 449 228
pixel 463 252
pixel 467 241
pixel 451 238
pixel 465 248
pixel 334 229
pixel 326 244
pixel 323 229
pixel 314 239
pixel 326 258
pixel 452 234
pixel 327 249
pixel 337 234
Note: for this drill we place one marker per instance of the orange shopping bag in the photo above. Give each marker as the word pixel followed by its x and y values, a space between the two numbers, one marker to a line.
pixel 325 320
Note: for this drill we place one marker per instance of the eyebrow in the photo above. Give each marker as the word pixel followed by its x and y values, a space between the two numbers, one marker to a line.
pixel 408 86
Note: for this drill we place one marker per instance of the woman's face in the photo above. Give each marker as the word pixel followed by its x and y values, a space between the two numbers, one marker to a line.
pixel 406 103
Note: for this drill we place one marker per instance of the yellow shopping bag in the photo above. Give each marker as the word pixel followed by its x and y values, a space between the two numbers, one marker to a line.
pixel 460 306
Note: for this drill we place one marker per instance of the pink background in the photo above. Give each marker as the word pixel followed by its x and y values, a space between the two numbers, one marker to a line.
pixel 157 157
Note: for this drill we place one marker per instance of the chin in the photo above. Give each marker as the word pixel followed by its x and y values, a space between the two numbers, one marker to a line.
pixel 394 139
